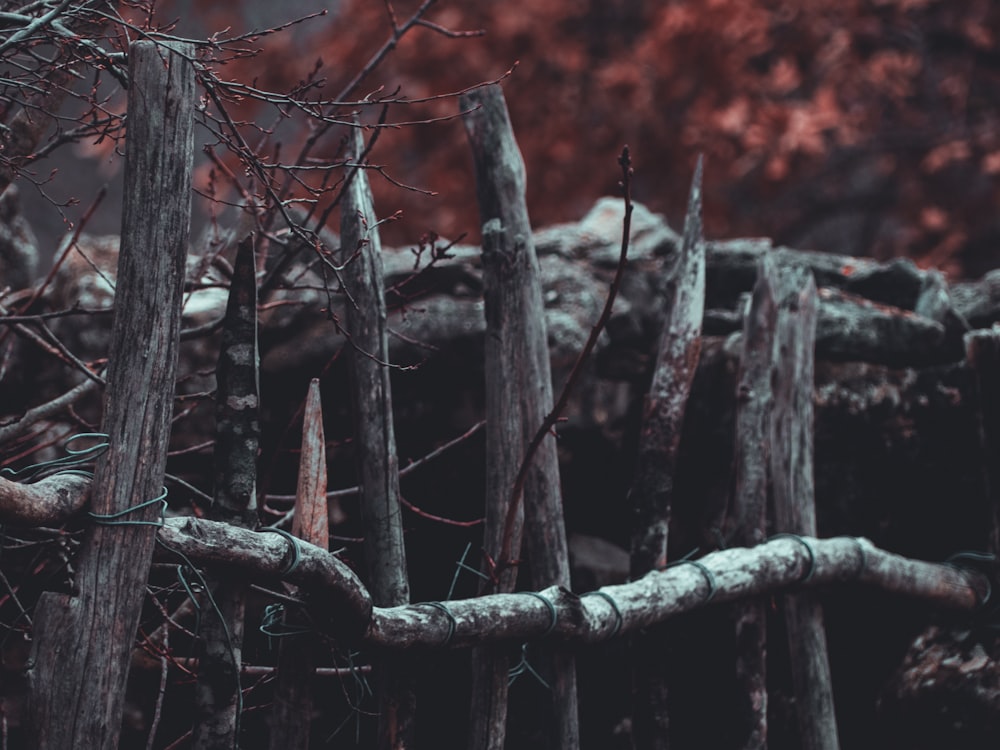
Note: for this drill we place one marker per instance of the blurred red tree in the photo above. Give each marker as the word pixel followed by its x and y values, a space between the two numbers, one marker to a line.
pixel 863 126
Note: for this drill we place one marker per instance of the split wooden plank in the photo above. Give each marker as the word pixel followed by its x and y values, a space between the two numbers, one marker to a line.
pixel 519 374
pixel 794 496
pixel 652 489
pixel 218 693
pixel 663 411
pixel 82 642
pixel 754 401
pixel 378 465
pixel 297 655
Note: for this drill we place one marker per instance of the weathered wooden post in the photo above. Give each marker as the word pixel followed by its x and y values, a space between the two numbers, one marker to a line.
pixel 794 496
pixel 82 641
pixel 504 359
pixel 519 393
pixel 652 489
pixel 378 466
pixel 754 400
pixel 218 694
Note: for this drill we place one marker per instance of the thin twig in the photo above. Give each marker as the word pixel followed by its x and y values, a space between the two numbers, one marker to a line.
pixel 517 492
pixel 46 410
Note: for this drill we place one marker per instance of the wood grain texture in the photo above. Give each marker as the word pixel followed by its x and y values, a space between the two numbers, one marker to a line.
pixel 754 402
pixel 378 465
pixel 651 493
pixel 663 411
pixel 371 393
pixel 311 520
pixel 218 702
pixel 519 396
pixel 292 712
pixel 82 642
pixel 49 501
pixel 794 497
pixel 739 573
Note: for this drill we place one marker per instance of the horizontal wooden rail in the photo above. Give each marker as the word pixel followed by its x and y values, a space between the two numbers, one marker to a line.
pixel 734 574
pixel 722 576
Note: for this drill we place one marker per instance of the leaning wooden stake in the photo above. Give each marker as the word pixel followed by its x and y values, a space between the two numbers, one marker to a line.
pixel 82 642
pixel 518 369
pixel 293 696
pixel 794 501
pixel 652 489
pixel 218 696
pixel 378 466
pixel 663 410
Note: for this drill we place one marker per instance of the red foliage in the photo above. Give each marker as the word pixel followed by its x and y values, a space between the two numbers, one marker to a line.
pixel 862 126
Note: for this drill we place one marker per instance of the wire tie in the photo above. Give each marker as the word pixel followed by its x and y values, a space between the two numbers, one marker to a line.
pixel 111 519
pixel 192 597
pixel 452 624
pixel 524 666
pixel 552 610
pixel 614 605
pixel 296 550
pixel 458 569
pixel 218 613
pixel 75 457
pixel 272 625
pixel 809 550
pixel 709 576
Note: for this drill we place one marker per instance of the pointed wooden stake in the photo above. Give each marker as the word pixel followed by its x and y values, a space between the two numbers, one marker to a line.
pixel 311 519
pixel 218 698
pixel 519 397
pixel 293 697
pixel 378 465
pixel 659 441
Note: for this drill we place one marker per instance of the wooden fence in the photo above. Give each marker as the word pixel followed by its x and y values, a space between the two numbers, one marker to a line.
pixel 82 641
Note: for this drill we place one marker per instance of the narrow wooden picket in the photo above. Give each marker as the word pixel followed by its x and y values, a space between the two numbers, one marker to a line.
pixel 652 493
pixel 792 370
pixel 754 401
pixel 294 695
pixel 378 465
pixel 519 386
pixel 218 692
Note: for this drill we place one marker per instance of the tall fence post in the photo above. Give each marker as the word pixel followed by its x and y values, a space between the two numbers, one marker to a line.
pixel 218 692
pixel 794 497
pixel 504 360
pixel 82 641
pixel 378 465
pixel 652 491
pixel 515 302
pixel 754 401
